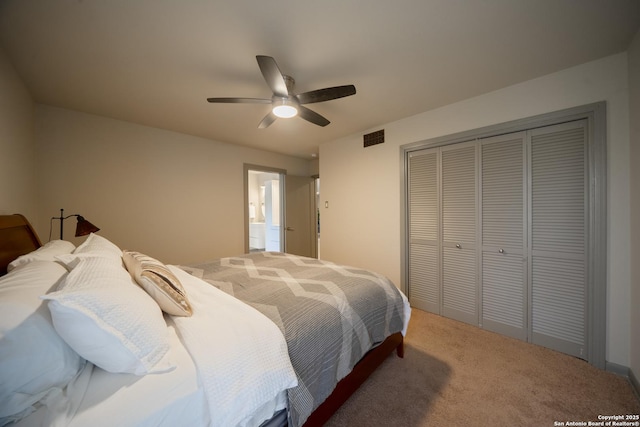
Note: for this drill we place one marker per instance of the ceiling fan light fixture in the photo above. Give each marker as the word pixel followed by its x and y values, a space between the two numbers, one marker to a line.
pixel 285 103
pixel 284 108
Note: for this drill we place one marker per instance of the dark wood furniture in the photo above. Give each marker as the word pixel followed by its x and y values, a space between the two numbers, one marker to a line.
pixel 17 237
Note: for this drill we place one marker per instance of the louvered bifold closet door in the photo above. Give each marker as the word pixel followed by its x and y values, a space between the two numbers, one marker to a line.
pixel 558 237
pixel 503 222
pixel 459 275
pixel 424 278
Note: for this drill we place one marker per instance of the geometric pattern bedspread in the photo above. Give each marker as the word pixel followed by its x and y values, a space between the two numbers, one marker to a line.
pixel 329 314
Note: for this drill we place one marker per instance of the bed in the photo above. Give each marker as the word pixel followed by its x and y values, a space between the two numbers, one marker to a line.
pixel 262 339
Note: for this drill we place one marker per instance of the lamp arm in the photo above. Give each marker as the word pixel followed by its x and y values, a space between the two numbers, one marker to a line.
pixel 62 218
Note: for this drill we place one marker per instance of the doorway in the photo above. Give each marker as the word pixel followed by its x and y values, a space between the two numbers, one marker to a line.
pixel 281 212
pixel 264 209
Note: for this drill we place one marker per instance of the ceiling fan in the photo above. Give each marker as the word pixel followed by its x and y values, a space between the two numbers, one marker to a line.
pixel 284 102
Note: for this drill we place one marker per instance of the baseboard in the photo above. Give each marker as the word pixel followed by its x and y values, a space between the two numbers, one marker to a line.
pixel 634 383
pixel 617 369
pixel 627 373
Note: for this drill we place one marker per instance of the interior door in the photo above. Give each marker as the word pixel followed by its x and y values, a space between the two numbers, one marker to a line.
pixel 559 236
pixel 424 220
pixel 299 219
pixel 503 230
pixel 459 276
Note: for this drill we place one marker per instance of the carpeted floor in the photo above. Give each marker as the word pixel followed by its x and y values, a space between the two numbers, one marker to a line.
pixel 454 374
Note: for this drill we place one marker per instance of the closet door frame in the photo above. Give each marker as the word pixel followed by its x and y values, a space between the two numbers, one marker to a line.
pixel 595 114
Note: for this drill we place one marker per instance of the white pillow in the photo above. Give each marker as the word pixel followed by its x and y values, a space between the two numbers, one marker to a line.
pixel 98 245
pixel 47 252
pixel 159 282
pixel 34 360
pixel 107 319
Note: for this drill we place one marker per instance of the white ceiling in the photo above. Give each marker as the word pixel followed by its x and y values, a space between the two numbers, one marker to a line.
pixel 155 62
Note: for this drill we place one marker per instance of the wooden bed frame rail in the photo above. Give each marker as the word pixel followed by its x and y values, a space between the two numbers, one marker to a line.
pixel 349 384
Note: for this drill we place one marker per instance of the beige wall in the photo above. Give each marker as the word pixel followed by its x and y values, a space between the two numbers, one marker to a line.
pixel 634 158
pixel 17 172
pixel 362 225
pixel 177 197
pixel 314 167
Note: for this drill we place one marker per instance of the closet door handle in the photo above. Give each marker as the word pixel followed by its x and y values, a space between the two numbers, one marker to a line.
pixel 458 246
pixel 501 250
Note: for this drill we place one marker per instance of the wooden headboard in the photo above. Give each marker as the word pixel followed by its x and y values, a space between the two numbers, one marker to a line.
pixel 17 237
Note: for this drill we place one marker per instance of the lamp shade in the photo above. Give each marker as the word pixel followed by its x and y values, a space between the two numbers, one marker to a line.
pixel 84 227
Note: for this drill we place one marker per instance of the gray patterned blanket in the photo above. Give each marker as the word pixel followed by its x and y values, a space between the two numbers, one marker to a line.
pixel 330 315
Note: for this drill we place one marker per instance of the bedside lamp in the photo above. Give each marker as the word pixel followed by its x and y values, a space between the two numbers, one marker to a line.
pixel 83 227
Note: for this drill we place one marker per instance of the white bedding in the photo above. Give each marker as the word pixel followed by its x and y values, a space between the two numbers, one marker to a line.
pixel 230 370
pixel 241 355
pixel 106 399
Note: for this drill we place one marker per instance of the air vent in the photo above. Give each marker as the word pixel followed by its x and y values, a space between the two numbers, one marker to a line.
pixel 374 138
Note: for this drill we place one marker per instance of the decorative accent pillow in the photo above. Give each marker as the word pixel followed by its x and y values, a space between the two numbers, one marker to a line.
pixel 34 359
pixel 47 252
pixel 98 245
pixel 159 282
pixel 108 320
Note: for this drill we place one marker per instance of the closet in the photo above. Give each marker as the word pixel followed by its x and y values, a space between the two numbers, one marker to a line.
pixel 497 233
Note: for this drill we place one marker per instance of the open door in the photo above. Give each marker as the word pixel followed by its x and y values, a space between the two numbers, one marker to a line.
pixel 300 217
pixel 264 213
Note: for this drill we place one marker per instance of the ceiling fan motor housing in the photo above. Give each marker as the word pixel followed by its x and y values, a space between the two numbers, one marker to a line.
pixel 290 82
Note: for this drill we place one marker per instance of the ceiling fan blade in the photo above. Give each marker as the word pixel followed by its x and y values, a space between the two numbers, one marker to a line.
pixel 272 75
pixel 268 119
pixel 326 94
pixel 312 116
pixel 240 100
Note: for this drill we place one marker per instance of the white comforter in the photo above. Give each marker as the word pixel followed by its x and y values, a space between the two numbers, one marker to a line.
pixel 241 355
pixel 232 370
